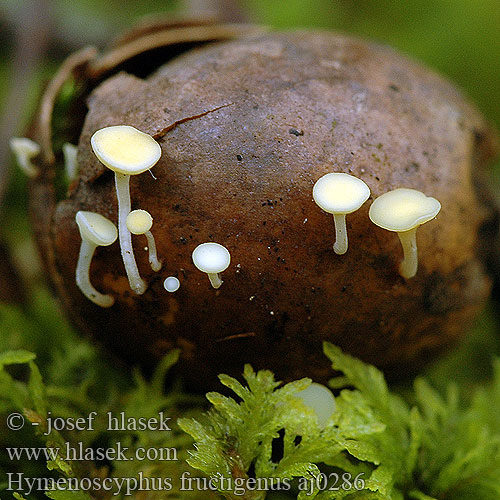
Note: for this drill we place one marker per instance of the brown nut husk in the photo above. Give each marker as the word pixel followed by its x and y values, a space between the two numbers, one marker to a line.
pixel 246 127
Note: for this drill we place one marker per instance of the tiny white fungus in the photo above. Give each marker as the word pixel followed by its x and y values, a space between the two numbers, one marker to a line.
pixel 171 284
pixel 212 258
pixel 320 399
pixel 70 153
pixel 140 222
pixel 340 194
pixel 95 231
pixel 403 211
pixel 25 150
pixel 126 151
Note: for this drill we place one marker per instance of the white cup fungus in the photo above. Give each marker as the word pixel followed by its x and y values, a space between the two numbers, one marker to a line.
pixel 25 150
pixel 95 230
pixel 340 194
pixel 320 399
pixel 212 258
pixel 403 211
pixel 171 284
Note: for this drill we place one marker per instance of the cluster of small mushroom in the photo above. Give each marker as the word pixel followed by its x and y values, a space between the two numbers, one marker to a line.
pixel 401 210
pixel 127 151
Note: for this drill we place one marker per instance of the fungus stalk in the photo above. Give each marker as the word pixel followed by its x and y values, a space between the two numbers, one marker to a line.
pixel 70 152
pixel 122 183
pixel 409 264
pixel 87 250
pixel 341 243
pixel 215 280
pixel 153 256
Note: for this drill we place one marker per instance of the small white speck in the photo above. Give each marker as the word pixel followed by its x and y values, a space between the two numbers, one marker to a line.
pixel 305 220
pixel 238 266
pixel 146 249
pixel 171 284
pixel 251 298
pixel 272 313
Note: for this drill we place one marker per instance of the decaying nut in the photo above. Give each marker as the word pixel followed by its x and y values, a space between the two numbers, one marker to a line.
pixel 246 127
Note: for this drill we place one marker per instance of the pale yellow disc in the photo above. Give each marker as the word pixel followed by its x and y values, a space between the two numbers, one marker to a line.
pixel 125 150
pixel 403 209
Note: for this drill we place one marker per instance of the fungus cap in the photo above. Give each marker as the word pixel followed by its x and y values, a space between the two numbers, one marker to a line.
pixel 125 150
pixel 403 209
pixel 320 399
pixel 23 145
pixel 96 228
pixel 139 221
pixel 171 284
pixel 211 257
pixel 340 193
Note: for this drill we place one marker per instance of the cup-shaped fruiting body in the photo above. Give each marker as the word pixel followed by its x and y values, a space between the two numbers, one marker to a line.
pixel 140 222
pixel 212 258
pixel 70 152
pixel 340 194
pixel 403 210
pixel 95 231
pixel 171 284
pixel 126 151
pixel 320 399
pixel 25 150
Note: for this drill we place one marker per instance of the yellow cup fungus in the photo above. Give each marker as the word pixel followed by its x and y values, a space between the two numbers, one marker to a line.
pixel 403 210
pixel 126 151
pixel 140 222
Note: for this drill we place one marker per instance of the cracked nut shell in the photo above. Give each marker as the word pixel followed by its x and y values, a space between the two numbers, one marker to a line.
pixel 246 127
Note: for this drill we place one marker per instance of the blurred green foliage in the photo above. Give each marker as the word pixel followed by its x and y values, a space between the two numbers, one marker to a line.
pixel 460 38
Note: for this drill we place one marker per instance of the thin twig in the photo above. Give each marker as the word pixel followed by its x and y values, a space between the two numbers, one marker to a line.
pixel 164 131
